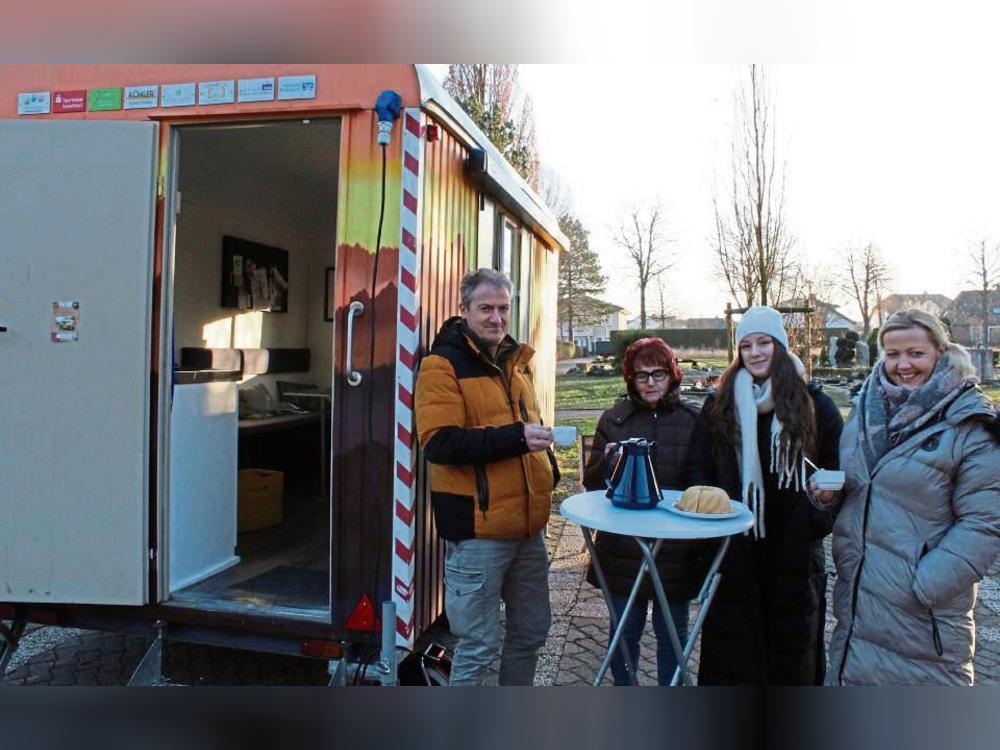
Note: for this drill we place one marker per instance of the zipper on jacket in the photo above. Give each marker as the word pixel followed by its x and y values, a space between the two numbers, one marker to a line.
pixel 503 379
pixel 482 488
pixel 500 367
pixel 656 438
pixel 506 389
pixel 935 632
pixel 527 479
pixel 857 586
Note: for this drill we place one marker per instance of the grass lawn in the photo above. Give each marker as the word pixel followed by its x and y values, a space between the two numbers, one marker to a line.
pixel 582 392
pixel 993 392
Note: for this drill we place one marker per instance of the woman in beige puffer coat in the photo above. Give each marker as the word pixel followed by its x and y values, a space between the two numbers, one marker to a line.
pixel 919 525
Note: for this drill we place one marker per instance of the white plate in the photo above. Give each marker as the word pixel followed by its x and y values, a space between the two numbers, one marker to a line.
pixel 670 502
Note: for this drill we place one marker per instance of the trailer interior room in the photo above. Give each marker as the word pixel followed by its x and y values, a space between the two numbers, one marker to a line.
pixel 249 497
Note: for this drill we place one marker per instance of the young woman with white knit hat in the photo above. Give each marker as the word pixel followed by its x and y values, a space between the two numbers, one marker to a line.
pixel 752 439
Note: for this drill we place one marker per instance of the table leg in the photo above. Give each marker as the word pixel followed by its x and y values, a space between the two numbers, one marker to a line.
pixel 705 597
pixel 649 552
pixel 617 623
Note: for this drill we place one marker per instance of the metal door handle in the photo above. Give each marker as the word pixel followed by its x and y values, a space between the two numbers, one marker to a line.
pixel 353 376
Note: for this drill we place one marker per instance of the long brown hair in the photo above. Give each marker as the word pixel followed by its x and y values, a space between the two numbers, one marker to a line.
pixel 792 405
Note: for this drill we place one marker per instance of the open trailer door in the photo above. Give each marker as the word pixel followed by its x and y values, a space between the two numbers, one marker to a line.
pixel 76 237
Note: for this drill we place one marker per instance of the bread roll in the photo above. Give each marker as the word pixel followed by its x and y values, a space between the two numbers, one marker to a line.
pixel 700 499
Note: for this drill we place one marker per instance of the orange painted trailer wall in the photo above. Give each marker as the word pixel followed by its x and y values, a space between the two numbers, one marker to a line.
pixel 450 219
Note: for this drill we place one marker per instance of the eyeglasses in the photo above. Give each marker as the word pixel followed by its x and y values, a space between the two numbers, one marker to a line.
pixel 657 375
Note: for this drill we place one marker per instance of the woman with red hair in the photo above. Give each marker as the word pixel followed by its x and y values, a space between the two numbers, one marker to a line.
pixel 651 409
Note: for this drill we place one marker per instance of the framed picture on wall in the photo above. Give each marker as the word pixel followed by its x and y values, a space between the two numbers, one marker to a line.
pixel 254 276
pixel 328 311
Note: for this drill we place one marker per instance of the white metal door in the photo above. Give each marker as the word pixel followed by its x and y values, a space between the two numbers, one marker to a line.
pixel 76 228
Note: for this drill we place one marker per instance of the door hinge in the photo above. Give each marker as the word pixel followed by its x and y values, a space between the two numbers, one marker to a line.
pixel 177 203
pixel 152 553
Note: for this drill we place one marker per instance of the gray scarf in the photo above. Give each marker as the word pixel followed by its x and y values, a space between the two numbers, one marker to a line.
pixel 890 414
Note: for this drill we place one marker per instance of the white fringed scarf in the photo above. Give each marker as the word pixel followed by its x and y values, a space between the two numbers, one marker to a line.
pixel 786 459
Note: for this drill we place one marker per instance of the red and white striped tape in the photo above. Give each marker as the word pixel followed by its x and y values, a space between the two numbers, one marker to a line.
pixel 407 342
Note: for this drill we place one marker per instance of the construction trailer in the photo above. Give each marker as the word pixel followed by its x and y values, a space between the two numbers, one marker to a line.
pixel 187 250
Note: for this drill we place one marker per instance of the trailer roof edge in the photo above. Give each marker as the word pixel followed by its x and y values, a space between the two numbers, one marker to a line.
pixel 514 191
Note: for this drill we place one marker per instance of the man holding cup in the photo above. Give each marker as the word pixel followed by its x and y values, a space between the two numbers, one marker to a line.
pixel 492 472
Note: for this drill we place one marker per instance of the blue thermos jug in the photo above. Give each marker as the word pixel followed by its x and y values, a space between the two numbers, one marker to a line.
pixel 633 482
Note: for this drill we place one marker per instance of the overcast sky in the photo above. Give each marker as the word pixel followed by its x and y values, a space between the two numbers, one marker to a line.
pixel 904 156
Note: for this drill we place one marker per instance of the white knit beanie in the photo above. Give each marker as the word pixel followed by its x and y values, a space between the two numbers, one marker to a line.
pixel 762 319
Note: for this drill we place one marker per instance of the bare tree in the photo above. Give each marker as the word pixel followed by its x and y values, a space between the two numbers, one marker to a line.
pixel 491 96
pixel 554 190
pixel 820 281
pixel 879 296
pixel 865 274
pixel 664 310
pixel 642 235
pixel 753 245
pixel 985 264
pixel 809 284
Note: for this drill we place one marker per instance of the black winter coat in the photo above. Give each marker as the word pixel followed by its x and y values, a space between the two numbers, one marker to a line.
pixel 682 565
pixel 765 625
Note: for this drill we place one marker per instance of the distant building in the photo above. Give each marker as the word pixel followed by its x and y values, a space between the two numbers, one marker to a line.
pixel 935 304
pixel 827 315
pixel 596 338
pixel 964 315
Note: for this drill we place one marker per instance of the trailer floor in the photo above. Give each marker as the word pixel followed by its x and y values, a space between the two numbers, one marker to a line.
pixel 285 566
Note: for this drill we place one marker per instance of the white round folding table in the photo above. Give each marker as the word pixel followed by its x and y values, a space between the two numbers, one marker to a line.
pixel 593 511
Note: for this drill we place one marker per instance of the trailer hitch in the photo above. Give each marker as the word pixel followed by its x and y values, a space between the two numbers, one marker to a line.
pixel 385 670
pixel 149 672
pixel 11 635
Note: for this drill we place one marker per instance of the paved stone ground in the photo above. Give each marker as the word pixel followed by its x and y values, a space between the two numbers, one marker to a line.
pixel 577 642
pixel 82 657
pixel 579 635
pixel 572 655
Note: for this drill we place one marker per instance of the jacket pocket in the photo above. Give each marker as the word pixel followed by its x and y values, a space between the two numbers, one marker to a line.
pixel 935 630
pixel 482 488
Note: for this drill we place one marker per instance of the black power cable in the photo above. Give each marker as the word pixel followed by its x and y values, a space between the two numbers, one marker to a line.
pixel 387 107
pixel 373 472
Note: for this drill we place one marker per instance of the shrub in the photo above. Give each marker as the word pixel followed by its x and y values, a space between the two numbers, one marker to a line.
pixel 844 356
pixel 873 344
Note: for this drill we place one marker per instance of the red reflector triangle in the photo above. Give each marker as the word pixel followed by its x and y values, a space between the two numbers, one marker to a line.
pixel 363 617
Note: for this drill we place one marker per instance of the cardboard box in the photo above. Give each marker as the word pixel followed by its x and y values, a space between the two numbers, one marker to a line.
pixel 260 497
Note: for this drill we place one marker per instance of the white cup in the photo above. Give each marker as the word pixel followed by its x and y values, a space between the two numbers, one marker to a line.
pixel 564 435
pixel 828 479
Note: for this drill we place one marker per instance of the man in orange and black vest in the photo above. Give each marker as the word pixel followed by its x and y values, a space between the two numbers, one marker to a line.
pixel 492 472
